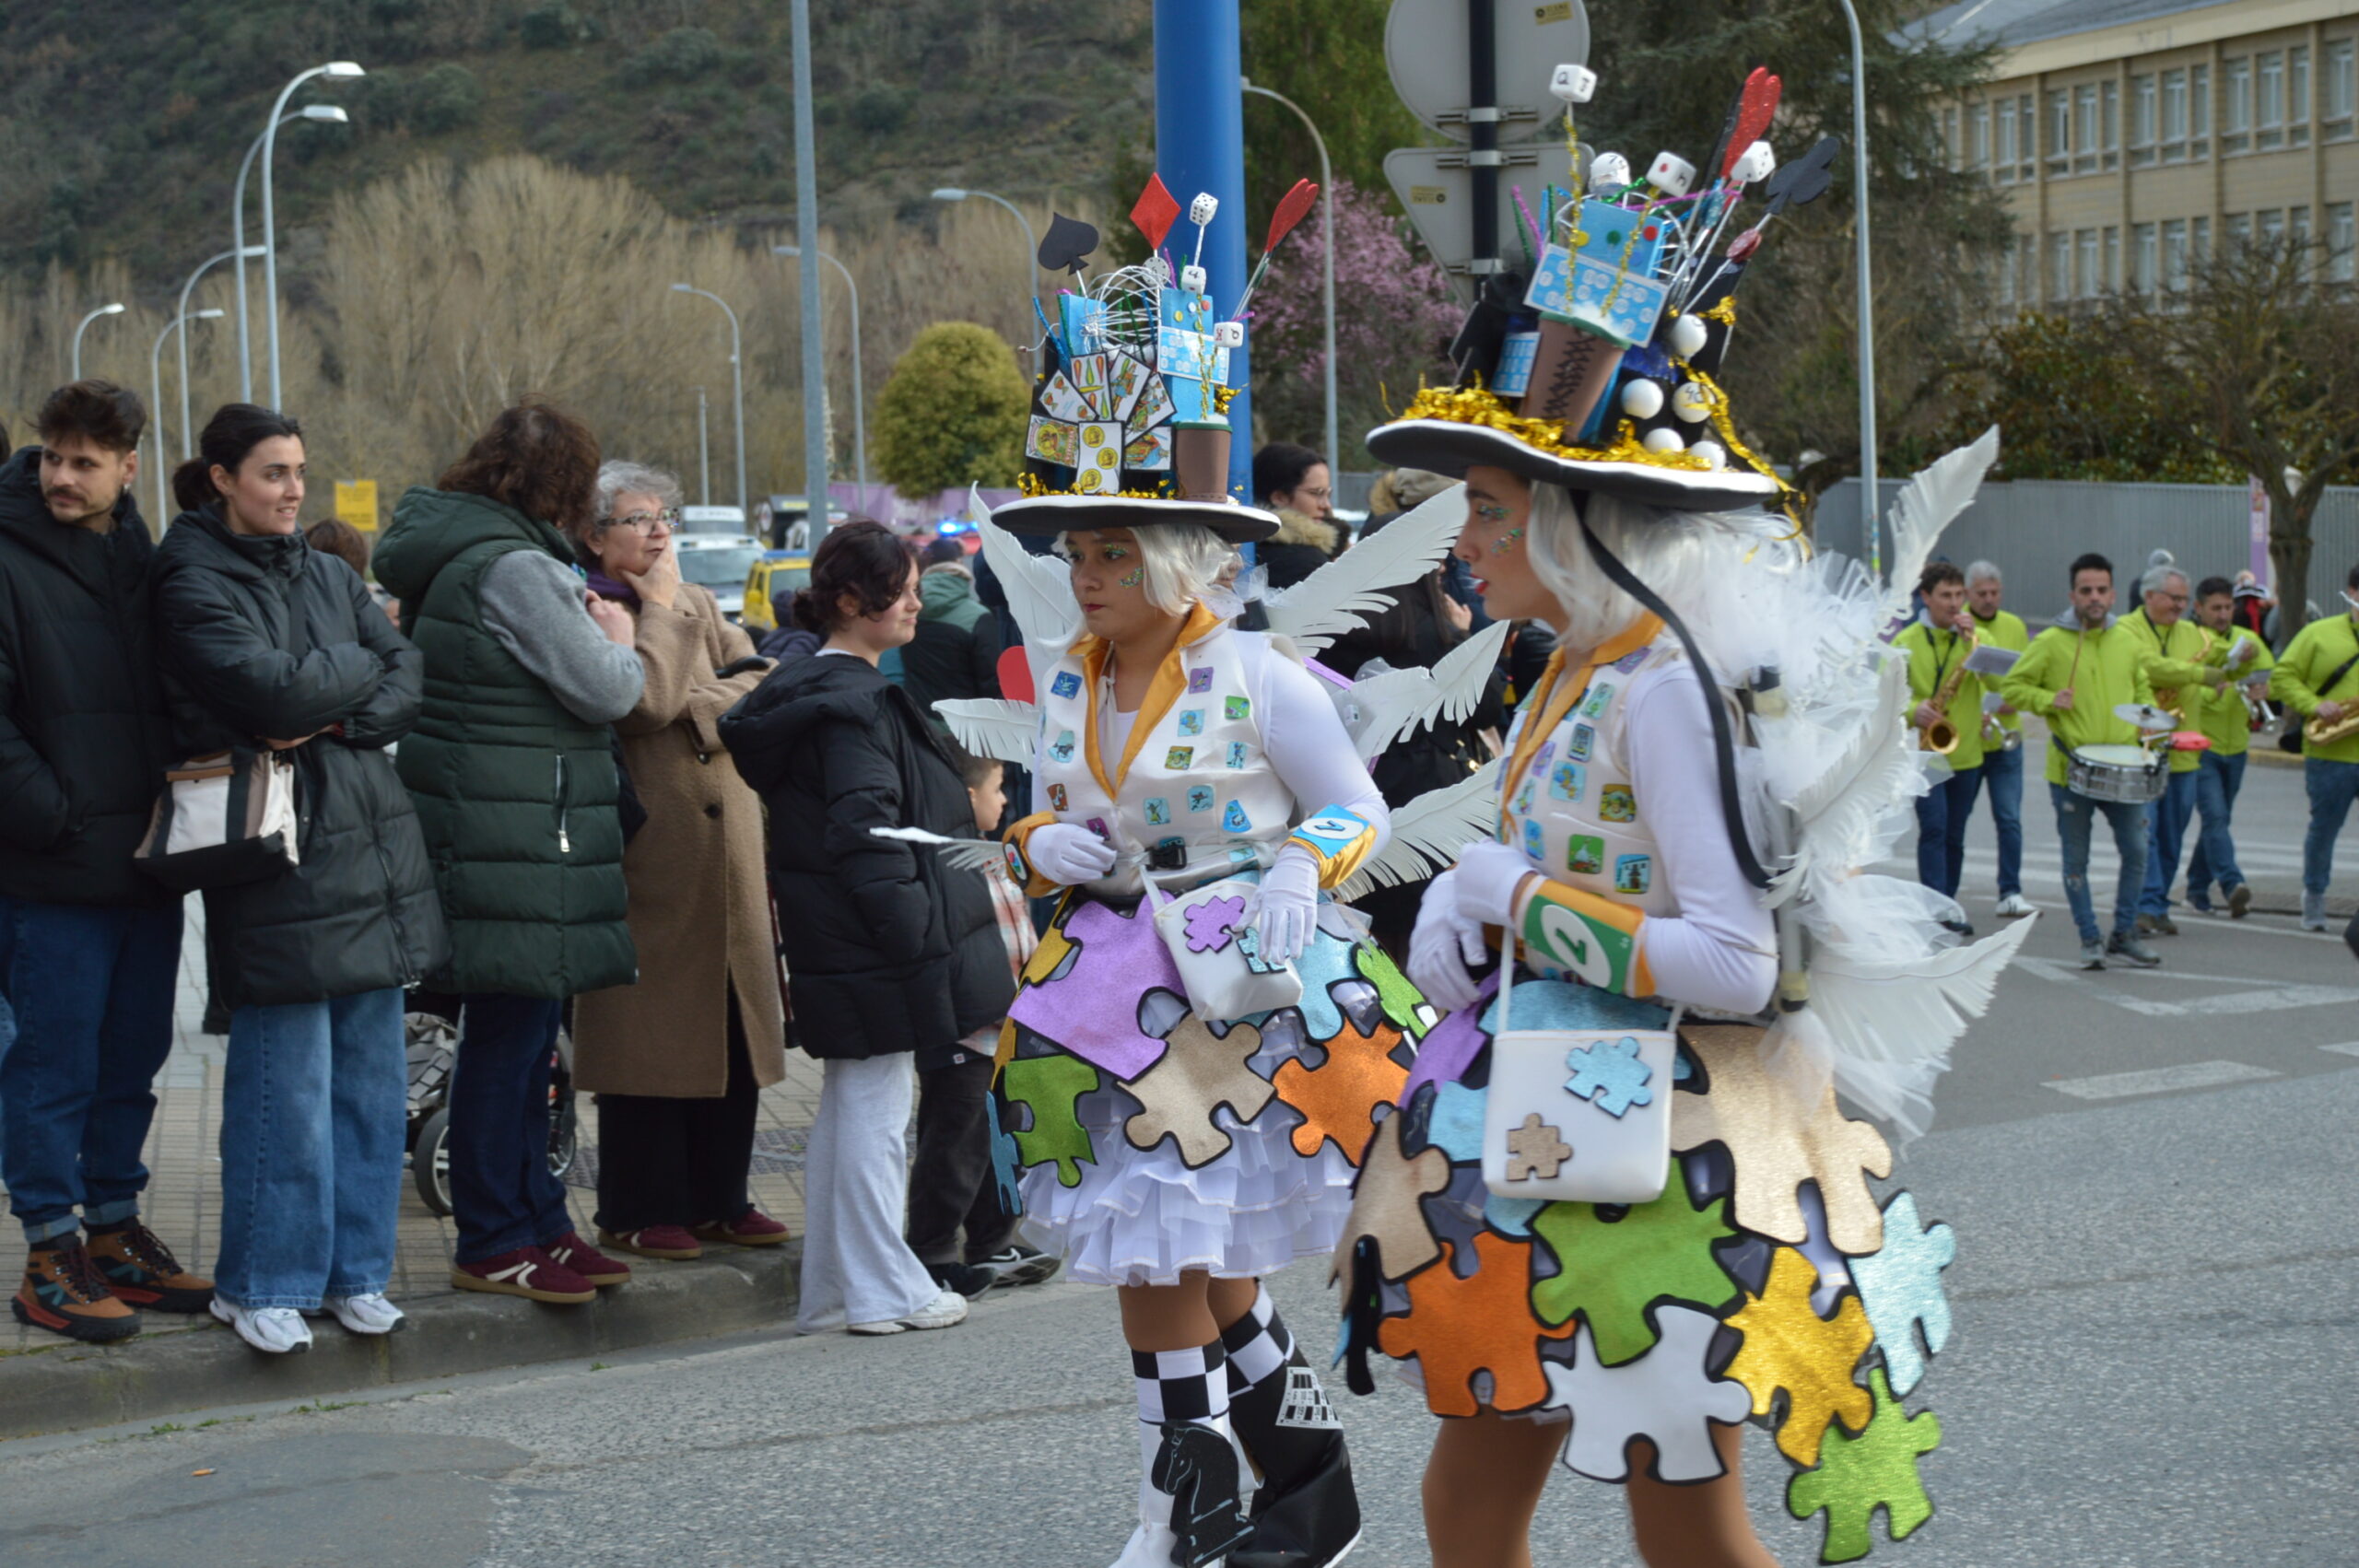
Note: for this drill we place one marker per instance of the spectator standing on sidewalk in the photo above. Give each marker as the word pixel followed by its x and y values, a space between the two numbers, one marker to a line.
pixel 2184 680
pixel 1295 483
pixel 955 651
pixel 2002 762
pixel 266 642
pixel 512 769
pixel 838 753
pixel 89 949
pixel 679 1060
pixel 2319 678
pixel 2228 724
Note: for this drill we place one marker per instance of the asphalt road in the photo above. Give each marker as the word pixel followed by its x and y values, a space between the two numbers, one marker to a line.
pixel 2157 1333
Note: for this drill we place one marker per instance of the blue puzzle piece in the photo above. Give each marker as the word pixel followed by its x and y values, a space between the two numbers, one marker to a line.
pixel 1005 1171
pixel 1455 1127
pixel 1610 1076
pixel 1512 1216
pixel 1561 1004
pixel 1325 961
pixel 1900 1285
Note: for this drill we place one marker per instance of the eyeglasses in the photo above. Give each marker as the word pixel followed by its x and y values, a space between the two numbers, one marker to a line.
pixel 643 522
pixel 1320 494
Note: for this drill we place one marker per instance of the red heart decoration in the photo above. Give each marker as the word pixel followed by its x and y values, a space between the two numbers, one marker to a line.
pixel 1755 107
pixel 1291 211
pixel 1015 675
pixel 1155 212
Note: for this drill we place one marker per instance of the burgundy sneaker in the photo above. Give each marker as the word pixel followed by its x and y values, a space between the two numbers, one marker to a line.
pixel 527 1272
pixel 670 1242
pixel 587 1261
pixel 752 1228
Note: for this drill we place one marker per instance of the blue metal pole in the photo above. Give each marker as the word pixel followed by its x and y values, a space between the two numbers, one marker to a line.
pixel 1200 146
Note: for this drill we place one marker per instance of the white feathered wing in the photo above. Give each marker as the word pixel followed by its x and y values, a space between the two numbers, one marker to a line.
pixel 1331 600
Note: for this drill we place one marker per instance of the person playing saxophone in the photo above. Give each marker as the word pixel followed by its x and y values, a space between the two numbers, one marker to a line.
pixel 2228 718
pixel 1948 716
pixel 2319 678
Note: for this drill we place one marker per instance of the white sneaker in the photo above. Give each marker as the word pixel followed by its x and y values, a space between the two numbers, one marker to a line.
pixel 367 1315
pixel 2015 904
pixel 946 1310
pixel 277 1330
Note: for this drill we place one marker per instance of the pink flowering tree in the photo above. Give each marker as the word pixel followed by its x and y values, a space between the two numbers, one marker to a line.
pixel 1396 314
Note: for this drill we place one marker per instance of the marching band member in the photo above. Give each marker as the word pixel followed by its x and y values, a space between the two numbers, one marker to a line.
pixel 2319 678
pixel 2002 754
pixel 2228 724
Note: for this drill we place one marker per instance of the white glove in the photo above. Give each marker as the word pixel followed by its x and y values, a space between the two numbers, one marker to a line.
pixel 1067 854
pixel 1286 909
pixel 1486 877
pixel 1444 947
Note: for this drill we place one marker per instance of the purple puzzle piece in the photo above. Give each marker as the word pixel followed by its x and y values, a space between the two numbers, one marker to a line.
pixel 1093 1009
pixel 1449 1047
pixel 1211 923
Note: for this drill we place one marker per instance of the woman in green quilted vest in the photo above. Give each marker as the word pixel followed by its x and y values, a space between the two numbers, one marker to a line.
pixel 513 773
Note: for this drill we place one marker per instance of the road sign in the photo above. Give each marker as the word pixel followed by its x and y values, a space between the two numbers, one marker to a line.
pixel 1426 48
pixel 355 503
pixel 1435 188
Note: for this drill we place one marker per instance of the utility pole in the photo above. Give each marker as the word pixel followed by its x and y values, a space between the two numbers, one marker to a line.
pixel 1200 147
pixel 806 235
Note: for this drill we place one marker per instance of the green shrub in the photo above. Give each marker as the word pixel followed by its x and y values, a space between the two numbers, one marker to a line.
pixel 952 414
pixel 684 55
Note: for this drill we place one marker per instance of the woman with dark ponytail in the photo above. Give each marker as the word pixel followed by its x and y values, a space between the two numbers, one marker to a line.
pixel 265 642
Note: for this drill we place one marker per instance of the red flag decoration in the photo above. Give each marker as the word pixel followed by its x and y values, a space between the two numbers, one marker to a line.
pixel 1016 671
pixel 1296 204
pixel 1755 107
pixel 1155 212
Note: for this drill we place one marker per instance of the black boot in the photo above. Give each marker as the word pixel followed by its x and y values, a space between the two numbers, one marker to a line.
pixel 1306 1513
pixel 1196 1469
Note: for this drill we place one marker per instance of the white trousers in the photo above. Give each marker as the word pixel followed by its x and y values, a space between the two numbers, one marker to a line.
pixel 856 1266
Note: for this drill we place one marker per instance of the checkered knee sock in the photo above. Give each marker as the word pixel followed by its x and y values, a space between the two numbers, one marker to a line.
pixel 1190 1385
pixel 1259 1344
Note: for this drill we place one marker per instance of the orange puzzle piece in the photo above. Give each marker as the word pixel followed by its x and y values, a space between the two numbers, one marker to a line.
pixel 1339 1100
pixel 1456 1328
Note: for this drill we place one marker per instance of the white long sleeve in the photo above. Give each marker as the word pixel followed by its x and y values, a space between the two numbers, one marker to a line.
pixel 1306 742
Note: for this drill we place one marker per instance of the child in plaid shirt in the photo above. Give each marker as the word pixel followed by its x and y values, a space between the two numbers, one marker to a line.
pixel 950 1181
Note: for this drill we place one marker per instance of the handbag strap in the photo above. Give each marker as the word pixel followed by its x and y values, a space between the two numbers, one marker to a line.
pixel 1506 979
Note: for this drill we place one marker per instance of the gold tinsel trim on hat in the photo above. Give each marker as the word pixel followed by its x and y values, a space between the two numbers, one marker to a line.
pixel 1474 406
pixel 1031 487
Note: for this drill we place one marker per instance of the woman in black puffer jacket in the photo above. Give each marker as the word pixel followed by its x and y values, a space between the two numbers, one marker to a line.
pixel 266 642
pixel 885 953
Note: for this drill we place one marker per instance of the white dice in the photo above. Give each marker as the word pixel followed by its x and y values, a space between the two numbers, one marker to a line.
pixel 1201 210
pixel 1193 279
pixel 1573 84
pixel 1671 174
pixel 1754 164
pixel 1228 335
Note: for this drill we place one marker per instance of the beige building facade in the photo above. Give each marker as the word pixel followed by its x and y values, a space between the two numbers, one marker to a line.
pixel 2129 137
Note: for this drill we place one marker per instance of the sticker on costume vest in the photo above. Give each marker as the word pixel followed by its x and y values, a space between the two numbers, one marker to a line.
pixel 1597 700
pixel 1234 820
pixel 1062 750
pixel 1585 855
pixel 1632 660
pixel 1583 738
pixel 1569 782
pixel 1633 873
pixel 1539 759
pixel 1236 753
pixel 1200 797
pixel 1097 824
pixel 1015 866
pixel 1067 683
pixel 1192 720
pixel 1237 706
pixel 1178 758
pixel 1200 681
pixel 1535 842
pixel 1241 855
pixel 1615 803
pixel 1056 796
pixel 1523 797
pixel 1159 811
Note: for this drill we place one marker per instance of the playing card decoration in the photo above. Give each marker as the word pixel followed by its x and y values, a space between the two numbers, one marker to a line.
pixel 1067 244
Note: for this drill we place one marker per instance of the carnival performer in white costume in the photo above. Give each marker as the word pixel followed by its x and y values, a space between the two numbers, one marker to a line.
pixel 1619 1210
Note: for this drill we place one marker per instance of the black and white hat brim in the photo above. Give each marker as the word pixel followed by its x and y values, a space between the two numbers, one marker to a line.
pixel 1050 515
pixel 1450 447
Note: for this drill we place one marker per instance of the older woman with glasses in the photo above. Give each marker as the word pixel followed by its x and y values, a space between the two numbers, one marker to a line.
pixel 679 1059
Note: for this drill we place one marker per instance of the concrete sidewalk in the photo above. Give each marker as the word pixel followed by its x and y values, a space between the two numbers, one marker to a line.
pixel 49 1384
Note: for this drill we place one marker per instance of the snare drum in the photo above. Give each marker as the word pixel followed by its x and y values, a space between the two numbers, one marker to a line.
pixel 2122 773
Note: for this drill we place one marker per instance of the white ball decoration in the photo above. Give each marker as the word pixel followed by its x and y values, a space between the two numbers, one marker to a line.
pixel 1711 453
pixel 1641 399
pixel 1688 334
pixel 1663 439
pixel 1692 402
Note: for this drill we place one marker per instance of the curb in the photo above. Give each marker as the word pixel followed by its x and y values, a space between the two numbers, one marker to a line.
pixel 70 1387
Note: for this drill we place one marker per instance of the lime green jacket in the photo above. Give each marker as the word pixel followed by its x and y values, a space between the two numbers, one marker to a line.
pixel 1932 657
pixel 2316 652
pixel 2005 630
pixel 2175 658
pixel 2227 723
pixel 2104 669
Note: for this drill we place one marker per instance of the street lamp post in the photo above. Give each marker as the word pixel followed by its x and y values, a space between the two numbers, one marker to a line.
pixel 737 380
pixel 334 71
pixel 325 113
pixel 155 392
pixel 859 402
pixel 1327 281
pixel 113 310
pixel 188 436
pixel 1872 508
pixel 704 456
pixel 1031 252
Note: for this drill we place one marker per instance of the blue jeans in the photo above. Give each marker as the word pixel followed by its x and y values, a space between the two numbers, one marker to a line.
pixel 1943 813
pixel 2333 785
pixel 2003 772
pixel 314 1114
pixel 2074 815
pixel 2166 820
pixel 2216 784
pixel 91 991
pixel 501 1192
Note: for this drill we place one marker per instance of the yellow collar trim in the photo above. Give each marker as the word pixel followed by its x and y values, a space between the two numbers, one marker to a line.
pixel 1171 680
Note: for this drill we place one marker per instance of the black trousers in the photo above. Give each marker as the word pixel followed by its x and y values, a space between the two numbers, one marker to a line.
pixel 950 1182
pixel 677 1162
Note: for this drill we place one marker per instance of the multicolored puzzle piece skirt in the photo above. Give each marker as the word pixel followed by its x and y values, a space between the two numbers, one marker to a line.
pixel 1766 1281
pixel 1142 1142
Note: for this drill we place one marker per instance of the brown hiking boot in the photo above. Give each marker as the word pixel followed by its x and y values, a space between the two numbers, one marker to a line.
pixel 64 1293
pixel 142 1270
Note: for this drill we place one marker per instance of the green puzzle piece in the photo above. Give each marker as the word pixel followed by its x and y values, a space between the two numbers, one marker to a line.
pixel 1875 1470
pixel 1050 1085
pixel 1611 1272
pixel 1408 1010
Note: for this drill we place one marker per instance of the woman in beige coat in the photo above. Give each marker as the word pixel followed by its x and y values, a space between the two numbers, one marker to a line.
pixel 679 1061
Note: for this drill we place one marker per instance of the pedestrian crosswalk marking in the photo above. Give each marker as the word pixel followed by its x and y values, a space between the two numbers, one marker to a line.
pixel 2160 1079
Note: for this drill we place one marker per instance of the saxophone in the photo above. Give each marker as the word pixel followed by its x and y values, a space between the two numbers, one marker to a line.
pixel 2171 699
pixel 2318 733
pixel 1941 735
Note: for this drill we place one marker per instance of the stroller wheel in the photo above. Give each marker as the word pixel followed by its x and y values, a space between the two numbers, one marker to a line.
pixel 429 1163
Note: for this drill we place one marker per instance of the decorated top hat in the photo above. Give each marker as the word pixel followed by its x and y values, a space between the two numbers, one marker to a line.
pixel 1593 368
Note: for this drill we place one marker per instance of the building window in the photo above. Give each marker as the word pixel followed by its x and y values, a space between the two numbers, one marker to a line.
pixel 2089 282
pixel 2198 111
pixel 2109 124
pixel 2059 268
pixel 2145 122
pixel 2236 107
pixel 2113 261
pixel 2271 228
pixel 2236 230
pixel 2297 96
pixel 1978 145
pixel 2342 238
pixel 2025 167
pixel 2059 134
pixel 2028 268
pixel 2175 253
pixel 2199 238
pixel 2339 92
pixel 2006 172
pixel 2297 230
pixel 2086 139
pixel 2007 277
pixel 2175 120
pixel 2268 99
pixel 2147 262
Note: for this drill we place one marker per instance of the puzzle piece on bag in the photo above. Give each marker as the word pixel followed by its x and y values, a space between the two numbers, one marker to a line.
pixel 1535 1149
pixel 1049 1085
pixel 1779 1140
pixel 1611 1405
pixel 1456 1328
pixel 1856 1476
pixel 1386 1208
pixel 1339 1098
pixel 1611 1272
pixel 1199 1071
pixel 1610 1076
pixel 1900 1285
pixel 1787 1345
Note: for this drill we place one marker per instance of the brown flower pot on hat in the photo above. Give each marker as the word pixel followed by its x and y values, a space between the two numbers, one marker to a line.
pixel 1571 372
pixel 1200 460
